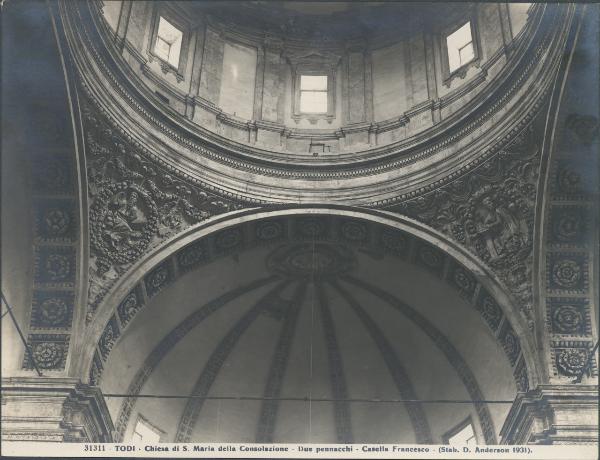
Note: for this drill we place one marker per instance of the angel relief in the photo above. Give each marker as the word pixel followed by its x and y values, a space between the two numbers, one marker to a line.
pixel 496 227
pixel 124 218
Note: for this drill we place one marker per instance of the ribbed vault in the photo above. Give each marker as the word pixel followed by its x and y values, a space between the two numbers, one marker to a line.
pixel 309 329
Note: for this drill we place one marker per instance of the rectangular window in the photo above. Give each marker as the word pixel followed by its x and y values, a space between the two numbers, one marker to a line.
pixel 313 93
pixel 465 436
pixel 145 433
pixel 461 49
pixel 168 42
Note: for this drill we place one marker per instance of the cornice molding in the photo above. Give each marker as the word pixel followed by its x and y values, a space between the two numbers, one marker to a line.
pixel 376 162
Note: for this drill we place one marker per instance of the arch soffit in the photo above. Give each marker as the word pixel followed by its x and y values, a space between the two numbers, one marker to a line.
pixel 460 269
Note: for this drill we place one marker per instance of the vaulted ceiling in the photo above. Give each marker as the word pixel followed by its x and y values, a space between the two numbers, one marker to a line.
pixel 310 340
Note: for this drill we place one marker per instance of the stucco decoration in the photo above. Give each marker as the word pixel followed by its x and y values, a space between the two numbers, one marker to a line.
pixel 490 211
pixel 568 283
pixel 134 205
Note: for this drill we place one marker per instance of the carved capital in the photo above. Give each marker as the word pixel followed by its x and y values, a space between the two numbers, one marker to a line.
pixel 553 414
pixel 53 409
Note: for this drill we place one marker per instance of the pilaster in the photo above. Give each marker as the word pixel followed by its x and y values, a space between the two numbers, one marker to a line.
pixel 53 409
pixel 553 414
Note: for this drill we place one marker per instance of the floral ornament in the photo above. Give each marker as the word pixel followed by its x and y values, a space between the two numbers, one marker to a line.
pixel 572 361
pixel 56 221
pixel 58 267
pixel 463 280
pixel 566 273
pixel 569 180
pixel 269 230
pixel 491 312
pixel 129 307
pixel 312 228
pixel 567 319
pixel 158 277
pixel 229 239
pixel 306 260
pixel 48 355
pixel 354 231
pixel 191 255
pixel 53 311
pixel 393 241
pixel 430 257
pixel 568 227
pixel 53 175
pixel 511 346
pixel 108 339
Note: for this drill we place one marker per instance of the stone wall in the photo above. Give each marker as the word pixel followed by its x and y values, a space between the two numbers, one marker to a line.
pixel 385 90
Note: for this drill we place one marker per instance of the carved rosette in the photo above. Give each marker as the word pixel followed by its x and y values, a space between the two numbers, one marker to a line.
pixel 567 319
pixel 571 361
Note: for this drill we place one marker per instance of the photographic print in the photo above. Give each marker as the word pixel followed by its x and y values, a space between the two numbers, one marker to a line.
pixel 300 229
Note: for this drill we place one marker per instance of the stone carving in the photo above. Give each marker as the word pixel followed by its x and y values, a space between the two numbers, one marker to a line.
pixel 56 221
pixel 490 311
pixel 394 241
pixel 571 361
pixel 568 225
pixel 55 265
pixel 109 338
pixel 48 355
pixel 510 343
pixel 129 306
pixel 355 232
pixel 490 211
pixel 521 376
pixel 585 127
pixel 228 240
pixel 96 370
pixel 308 260
pixel 430 258
pixel 158 279
pixel 58 267
pixel 571 179
pixel 135 204
pixel 566 273
pixel 49 351
pixel 463 281
pixel 311 227
pixel 52 174
pixel 123 220
pixel 192 255
pixel 52 309
pixel 568 315
pixel 567 319
pixel 269 230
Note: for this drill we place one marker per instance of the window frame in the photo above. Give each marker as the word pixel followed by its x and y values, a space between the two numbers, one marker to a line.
pixel 461 71
pixel 140 418
pixel 458 428
pixel 314 70
pixel 179 23
pixel 326 91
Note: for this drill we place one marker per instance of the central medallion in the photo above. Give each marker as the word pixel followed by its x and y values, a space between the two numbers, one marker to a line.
pixel 309 260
